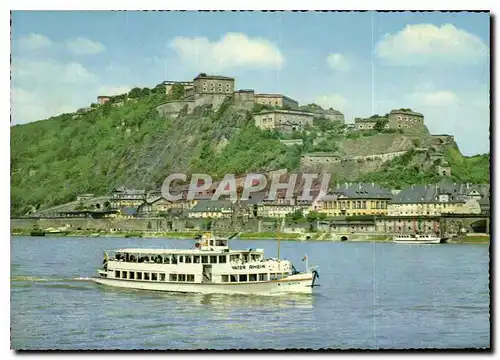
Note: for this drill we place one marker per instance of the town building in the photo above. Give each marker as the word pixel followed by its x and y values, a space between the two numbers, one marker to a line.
pixel 320 158
pixel 354 199
pixel 330 114
pixel 438 199
pixel 122 197
pixel 276 100
pixel 101 100
pixel 211 209
pixel 213 84
pixel 369 123
pixel 283 120
pixel 405 119
pixel 187 85
pixel 85 197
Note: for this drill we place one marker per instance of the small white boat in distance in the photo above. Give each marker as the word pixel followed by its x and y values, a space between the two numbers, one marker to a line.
pixel 211 267
pixel 416 239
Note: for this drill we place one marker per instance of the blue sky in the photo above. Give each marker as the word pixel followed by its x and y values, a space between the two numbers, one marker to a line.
pixel 360 63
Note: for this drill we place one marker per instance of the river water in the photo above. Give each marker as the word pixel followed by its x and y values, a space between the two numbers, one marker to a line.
pixel 372 296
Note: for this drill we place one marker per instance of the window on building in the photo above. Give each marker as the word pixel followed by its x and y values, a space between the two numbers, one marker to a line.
pixel 213 259
pixel 190 278
pixel 225 278
pixel 154 276
pixel 234 278
pixel 196 259
pixel 162 276
pixel 131 275
pixel 174 259
pixel 262 277
pixel 124 274
pixel 139 275
pixel 243 277
pixel 146 276
pixel 222 259
pixel 181 258
pixel 181 277
pixel 252 277
pixel 189 259
pixel 172 277
pixel 204 259
pixel 117 273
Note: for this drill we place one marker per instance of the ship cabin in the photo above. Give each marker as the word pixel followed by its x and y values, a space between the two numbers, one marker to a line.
pixel 210 262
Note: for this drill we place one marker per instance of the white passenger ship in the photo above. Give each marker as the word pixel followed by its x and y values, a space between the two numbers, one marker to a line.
pixel 209 268
pixel 416 239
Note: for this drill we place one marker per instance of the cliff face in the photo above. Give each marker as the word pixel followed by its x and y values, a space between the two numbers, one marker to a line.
pixel 138 143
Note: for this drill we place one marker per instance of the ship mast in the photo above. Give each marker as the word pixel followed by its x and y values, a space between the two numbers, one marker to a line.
pixel 277 237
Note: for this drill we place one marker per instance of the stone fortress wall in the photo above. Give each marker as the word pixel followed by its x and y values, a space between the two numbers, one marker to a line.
pixel 213 90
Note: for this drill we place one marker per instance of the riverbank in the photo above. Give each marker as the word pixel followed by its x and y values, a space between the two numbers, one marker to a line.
pixel 472 239
pixel 190 235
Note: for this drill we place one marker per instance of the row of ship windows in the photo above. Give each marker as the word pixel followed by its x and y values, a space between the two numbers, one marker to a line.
pixel 188 259
pixel 139 275
pixel 252 277
pixel 174 259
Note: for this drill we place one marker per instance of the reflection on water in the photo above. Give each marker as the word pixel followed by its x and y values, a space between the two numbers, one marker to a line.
pixel 371 296
pixel 262 302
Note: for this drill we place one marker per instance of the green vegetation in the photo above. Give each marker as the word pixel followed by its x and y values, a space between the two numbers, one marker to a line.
pixel 126 142
pixel 379 125
pixel 473 169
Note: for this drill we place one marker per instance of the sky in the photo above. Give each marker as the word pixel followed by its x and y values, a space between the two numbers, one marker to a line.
pixel 361 63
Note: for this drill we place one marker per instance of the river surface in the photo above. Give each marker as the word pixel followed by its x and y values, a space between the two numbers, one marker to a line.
pixel 372 296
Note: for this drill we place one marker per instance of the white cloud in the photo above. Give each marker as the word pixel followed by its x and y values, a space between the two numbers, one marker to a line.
pixel 441 98
pixel 335 101
pixel 29 106
pixel 45 88
pixel 338 61
pixel 34 41
pixel 84 46
pixel 231 51
pixel 47 71
pixel 114 90
pixel 422 44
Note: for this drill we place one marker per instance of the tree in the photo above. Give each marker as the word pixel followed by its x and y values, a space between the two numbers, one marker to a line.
pixel 296 215
pixel 159 89
pixel 145 92
pixel 380 124
pixel 314 215
pixel 80 206
pixel 134 93
pixel 177 91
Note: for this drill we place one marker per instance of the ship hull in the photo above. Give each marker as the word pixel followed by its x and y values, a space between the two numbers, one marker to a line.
pixel 416 242
pixel 293 284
